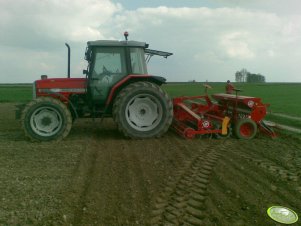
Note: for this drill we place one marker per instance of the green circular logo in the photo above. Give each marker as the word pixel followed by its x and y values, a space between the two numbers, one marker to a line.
pixel 282 215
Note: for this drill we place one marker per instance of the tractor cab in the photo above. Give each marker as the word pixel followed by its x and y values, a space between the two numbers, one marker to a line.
pixel 111 61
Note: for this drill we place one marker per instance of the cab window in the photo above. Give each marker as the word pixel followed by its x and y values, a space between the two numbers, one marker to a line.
pixel 108 68
pixel 138 61
pixel 109 64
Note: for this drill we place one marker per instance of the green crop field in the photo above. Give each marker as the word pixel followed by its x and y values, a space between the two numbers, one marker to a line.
pixel 15 93
pixel 282 97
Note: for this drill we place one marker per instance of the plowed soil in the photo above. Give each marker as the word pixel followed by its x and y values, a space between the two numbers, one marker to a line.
pixel 97 177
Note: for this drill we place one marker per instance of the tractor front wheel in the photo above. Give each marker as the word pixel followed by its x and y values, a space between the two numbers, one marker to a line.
pixel 142 110
pixel 46 119
pixel 245 129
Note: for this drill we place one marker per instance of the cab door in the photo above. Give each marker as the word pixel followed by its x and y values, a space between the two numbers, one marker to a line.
pixel 108 67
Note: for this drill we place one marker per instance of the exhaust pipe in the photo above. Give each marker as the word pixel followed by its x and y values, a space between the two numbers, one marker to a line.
pixel 68 75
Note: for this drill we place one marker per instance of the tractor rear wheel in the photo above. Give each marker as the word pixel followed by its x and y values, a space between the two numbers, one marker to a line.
pixel 245 129
pixel 142 110
pixel 46 119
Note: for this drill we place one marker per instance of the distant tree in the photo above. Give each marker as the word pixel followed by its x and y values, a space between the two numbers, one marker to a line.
pixel 241 76
pixel 238 77
pixel 255 78
pixel 244 76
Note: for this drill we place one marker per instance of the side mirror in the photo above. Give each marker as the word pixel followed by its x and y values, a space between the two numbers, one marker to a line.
pixel 88 54
pixel 85 72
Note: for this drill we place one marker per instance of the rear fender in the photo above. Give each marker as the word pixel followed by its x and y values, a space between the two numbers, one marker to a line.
pixel 131 79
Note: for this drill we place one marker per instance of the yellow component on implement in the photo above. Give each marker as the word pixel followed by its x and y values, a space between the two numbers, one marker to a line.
pixel 225 125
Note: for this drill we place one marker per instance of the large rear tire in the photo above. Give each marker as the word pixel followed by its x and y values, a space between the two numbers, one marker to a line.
pixel 245 129
pixel 142 110
pixel 46 119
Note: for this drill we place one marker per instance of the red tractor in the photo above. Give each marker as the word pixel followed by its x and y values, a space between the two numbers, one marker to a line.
pixel 116 85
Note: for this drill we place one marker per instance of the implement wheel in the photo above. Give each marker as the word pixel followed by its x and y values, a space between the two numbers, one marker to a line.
pixel 142 110
pixel 46 119
pixel 245 129
pixel 221 136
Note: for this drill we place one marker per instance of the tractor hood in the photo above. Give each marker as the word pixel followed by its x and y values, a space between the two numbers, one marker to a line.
pixel 61 85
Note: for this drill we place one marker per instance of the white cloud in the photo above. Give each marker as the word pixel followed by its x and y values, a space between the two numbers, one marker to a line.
pixel 217 42
pixel 33 34
pixel 74 20
pixel 236 45
pixel 208 43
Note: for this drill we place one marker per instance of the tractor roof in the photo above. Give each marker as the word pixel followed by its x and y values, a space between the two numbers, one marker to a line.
pixel 113 43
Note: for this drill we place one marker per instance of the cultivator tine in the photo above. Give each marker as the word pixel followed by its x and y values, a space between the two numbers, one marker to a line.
pixel 266 129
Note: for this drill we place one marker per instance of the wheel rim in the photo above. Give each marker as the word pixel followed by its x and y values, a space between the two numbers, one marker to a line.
pixel 144 112
pixel 246 130
pixel 46 121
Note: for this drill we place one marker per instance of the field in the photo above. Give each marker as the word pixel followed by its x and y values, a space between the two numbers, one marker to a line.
pixel 15 93
pixel 283 97
pixel 97 177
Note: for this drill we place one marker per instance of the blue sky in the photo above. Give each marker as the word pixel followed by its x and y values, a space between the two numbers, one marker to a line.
pixel 211 40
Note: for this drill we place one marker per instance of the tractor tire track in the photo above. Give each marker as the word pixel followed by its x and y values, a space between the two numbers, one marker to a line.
pixel 81 182
pixel 85 174
pixel 183 199
pixel 90 165
pixel 243 187
pixel 283 165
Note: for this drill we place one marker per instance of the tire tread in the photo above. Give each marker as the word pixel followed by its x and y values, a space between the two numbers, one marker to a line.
pixel 129 89
pixel 53 101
